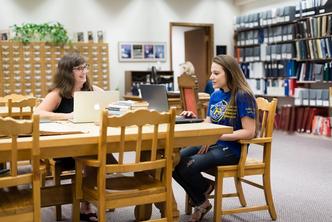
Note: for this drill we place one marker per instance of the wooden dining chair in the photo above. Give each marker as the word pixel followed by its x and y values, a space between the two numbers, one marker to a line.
pixel 248 167
pixel 189 95
pixel 27 103
pixel 125 183
pixel 20 203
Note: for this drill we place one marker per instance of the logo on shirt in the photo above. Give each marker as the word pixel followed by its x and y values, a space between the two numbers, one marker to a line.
pixel 217 110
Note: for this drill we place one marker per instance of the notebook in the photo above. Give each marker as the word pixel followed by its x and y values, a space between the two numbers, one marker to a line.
pixel 156 96
pixel 87 104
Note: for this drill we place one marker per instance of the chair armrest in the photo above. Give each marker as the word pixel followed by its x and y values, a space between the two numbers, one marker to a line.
pixel 257 140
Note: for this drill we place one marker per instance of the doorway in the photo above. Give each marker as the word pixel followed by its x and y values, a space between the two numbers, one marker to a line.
pixel 191 42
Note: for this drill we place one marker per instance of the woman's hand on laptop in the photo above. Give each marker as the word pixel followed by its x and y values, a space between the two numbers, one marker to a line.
pixel 188 114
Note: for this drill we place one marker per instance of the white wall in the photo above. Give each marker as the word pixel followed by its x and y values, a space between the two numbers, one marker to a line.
pixel 124 20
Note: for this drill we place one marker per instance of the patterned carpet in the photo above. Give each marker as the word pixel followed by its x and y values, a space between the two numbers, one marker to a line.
pixel 301 185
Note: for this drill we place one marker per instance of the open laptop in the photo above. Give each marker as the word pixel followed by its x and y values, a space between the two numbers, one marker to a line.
pixel 156 96
pixel 87 104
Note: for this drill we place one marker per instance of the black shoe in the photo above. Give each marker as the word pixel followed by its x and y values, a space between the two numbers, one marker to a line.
pixel 90 217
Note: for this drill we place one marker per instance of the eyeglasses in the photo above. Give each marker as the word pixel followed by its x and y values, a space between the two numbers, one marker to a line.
pixel 82 67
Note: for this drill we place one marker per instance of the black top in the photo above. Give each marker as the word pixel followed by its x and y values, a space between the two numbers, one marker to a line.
pixel 66 106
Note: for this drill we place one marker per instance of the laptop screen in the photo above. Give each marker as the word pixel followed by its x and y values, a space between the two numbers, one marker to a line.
pixel 156 96
pixel 88 104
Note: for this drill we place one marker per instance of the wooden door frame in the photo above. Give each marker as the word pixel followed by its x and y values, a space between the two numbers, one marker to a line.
pixel 207 26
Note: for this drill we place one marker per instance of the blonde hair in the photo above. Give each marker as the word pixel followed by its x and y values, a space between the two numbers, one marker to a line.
pixel 188 68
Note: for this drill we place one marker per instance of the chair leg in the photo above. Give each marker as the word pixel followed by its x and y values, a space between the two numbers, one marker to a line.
pixel 268 196
pixel 188 208
pixel 57 182
pixel 239 191
pixel 218 196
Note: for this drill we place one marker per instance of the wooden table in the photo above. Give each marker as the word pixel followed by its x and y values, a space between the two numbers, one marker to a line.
pixel 73 145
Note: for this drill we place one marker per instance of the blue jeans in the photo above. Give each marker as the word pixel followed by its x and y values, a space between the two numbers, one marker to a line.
pixel 188 172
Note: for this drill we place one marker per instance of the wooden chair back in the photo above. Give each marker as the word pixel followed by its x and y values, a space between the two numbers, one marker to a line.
pixel 140 118
pixel 188 94
pixel 248 167
pixel 146 186
pixel 21 104
pixel 14 203
pixel 265 113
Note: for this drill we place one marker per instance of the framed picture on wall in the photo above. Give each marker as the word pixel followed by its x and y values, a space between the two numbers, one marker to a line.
pixel 159 51
pixel 142 51
pixel 125 52
pixel 137 51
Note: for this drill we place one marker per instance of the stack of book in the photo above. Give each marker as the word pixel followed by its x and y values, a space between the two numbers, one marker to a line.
pixel 121 107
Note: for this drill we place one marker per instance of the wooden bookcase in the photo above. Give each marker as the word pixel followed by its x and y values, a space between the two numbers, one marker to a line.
pixel 290 59
pixel 29 69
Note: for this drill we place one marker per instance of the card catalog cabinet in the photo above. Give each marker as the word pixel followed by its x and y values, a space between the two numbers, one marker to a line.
pixel 29 69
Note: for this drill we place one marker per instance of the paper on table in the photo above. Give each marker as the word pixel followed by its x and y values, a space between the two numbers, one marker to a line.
pixel 56 128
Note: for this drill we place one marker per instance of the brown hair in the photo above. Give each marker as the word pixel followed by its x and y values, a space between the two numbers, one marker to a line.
pixel 236 81
pixel 64 79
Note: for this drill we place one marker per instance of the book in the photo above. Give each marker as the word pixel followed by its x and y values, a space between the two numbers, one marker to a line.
pixel 59 128
pixel 299 118
pixel 305 119
pixel 292 124
pixel 311 115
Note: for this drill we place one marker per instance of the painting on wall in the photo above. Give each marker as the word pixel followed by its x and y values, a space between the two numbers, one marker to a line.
pixel 142 51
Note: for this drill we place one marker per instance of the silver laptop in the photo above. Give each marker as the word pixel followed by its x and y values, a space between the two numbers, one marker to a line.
pixel 156 96
pixel 88 104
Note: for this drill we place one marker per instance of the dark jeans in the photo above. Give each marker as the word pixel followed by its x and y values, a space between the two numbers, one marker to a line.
pixel 188 172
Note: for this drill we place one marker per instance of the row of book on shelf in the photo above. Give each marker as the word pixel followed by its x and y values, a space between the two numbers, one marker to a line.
pixel 300 50
pixel 265 52
pixel 314 27
pixel 267 35
pixel 273 87
pixel 268 17
pixel 279 15
pixel 301 119
pixel 303 50
pixel 301 71
pixel 314 48
pixel 289 87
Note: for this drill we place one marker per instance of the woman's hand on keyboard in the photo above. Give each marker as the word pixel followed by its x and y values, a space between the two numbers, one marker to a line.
pixel 188 114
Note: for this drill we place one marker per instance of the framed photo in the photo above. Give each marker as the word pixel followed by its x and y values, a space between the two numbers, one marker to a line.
pixel 80 36
pixel 142 51
pixel 90 36
pixel 148 51
pixel 4 35
pixel 125 51
pixel 137 51
pixel 100 36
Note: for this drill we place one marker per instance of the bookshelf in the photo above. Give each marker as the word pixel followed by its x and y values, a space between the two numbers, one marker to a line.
pixel 133 79
pixel 29 69
pixel 289 55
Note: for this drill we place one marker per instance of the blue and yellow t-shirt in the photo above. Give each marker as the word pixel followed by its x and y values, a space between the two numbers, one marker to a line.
pixel 222 113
